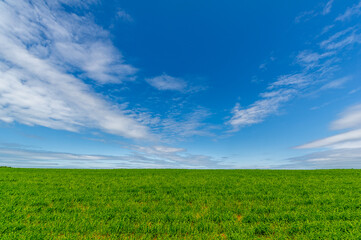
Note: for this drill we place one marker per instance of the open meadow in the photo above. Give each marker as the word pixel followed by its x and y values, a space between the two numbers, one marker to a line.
pixel 179 204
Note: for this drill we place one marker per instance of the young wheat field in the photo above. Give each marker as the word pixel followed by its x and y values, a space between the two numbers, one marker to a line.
pixel 179 204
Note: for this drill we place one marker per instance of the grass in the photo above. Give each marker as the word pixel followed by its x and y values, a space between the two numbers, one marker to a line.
pixel 179 204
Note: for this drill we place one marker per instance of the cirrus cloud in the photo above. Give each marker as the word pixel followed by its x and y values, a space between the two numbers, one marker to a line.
pixel 45 56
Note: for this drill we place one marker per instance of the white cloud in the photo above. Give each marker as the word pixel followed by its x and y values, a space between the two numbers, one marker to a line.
pixel 305 16
pixel 347 145
pixel 351 118
pixel 293 80
pixel 259 110
pixel 338 83
pixel 263 66
pixel 319 10
pixel 328 142
pixel 352 38
pixel 327 7
pixel 41 50
pixel 343 150
pixel 166 82
pixel 351 11
pixel 326 29
pixel 309 59
pixel 316 68
pixel 342 39
pixel 123 15
pixel 184 125
pixel 281 91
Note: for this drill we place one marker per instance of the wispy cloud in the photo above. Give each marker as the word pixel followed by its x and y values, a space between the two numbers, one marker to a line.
pixel 45 54
pixel 181 126
pixel 350 12
pixel 166 82
pixel 279 92
pixel 316 68
pixel 123 15
pixel 181 121
pixel 296 80
pixel 335 84
pixel 265 64
pixel 342 39
pixel 259 110
pixel 327 7
pixel 320 9
pixel 306 16
pixel 309 59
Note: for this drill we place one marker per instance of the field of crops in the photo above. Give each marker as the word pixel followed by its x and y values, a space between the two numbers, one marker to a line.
pixel 179 204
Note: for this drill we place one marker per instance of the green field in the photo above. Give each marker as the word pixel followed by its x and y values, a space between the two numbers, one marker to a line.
pixel 179 204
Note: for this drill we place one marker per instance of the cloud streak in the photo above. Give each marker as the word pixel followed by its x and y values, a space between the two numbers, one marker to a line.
pixel 327 7
pixel 355 10
pixel 46 55
pixel 319 10
pixel 259 110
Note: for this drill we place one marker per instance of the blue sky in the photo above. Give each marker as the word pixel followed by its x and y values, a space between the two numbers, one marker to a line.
pixel 180 84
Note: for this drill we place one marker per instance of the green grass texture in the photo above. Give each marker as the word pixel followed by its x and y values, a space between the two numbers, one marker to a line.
pixel 179 204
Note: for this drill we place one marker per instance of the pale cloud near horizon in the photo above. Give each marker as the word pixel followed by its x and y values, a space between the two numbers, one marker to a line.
pixel 177 156
pixel 328 159
pixel 342 150
pixel 41 50
pixel 350 119
pixel 140 157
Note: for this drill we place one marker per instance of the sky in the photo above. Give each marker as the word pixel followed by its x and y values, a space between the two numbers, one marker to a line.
pixel 180 84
